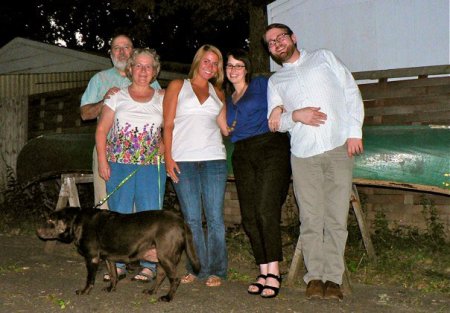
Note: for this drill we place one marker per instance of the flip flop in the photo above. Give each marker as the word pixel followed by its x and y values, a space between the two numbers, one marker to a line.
pixel 213 281
pixel 144 277
pixel 188 278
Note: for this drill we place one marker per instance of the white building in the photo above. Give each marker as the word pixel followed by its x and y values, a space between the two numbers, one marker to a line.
pixel 370 34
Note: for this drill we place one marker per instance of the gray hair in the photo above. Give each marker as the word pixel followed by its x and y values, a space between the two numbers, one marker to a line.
pixel 144 51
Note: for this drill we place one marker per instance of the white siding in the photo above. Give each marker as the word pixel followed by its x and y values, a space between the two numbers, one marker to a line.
pixel 370 34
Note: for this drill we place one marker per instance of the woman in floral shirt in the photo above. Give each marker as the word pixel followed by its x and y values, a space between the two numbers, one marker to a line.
pixel 128 138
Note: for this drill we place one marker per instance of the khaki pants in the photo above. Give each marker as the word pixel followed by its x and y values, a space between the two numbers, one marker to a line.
pixel 99 183
pixel 322 186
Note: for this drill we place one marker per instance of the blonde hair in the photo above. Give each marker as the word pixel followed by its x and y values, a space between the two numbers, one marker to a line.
pixel 218 79
pixel 144 51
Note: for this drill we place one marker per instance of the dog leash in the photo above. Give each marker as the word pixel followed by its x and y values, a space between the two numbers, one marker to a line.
pixel 115 189
pixel 126 179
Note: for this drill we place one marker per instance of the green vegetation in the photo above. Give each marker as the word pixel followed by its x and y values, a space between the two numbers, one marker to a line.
pixel 405 256
pixel 61 303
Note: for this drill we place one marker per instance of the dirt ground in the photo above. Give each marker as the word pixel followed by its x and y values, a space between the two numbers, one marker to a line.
pixel 34 281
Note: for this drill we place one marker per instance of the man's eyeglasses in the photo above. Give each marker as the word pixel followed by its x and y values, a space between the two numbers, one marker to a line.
pixel 237 67
pixel 279 39
pixel 118 48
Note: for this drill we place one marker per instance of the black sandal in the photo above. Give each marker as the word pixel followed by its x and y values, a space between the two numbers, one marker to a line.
pixel 257 285
pixel 276 290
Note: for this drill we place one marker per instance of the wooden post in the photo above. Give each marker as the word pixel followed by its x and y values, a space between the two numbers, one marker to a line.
pixel 356 204
pixel 296 263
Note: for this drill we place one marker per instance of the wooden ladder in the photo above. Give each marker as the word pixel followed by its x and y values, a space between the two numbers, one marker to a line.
pixel 297 260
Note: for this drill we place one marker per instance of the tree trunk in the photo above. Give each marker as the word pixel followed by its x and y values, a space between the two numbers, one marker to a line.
pixel 257 51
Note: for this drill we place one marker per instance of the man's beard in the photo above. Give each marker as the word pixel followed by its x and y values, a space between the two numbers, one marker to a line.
pixel 280 59
pixel 120 65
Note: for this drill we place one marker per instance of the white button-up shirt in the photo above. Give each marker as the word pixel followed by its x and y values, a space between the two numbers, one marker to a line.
pixel 317 79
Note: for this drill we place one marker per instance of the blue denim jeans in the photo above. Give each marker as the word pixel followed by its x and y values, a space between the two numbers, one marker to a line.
pixel 202 185
pixel 144 191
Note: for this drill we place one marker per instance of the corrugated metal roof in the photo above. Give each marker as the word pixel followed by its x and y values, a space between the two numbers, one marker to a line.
pixel 21 56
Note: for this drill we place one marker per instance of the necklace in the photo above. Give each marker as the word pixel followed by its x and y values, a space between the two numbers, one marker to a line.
pixel 234 103
pixel 233 124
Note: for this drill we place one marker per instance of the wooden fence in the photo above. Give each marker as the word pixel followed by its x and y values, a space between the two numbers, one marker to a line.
pixel 417 99
pixel 410 96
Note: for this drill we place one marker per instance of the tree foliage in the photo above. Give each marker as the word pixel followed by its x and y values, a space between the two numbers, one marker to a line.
pixel 175 28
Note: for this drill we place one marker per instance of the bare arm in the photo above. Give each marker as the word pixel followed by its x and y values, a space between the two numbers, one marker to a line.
pixel 170 103
pixel 222 117
pixel 104 125
pixel 309 116
pixel 275 118
pixel 93 110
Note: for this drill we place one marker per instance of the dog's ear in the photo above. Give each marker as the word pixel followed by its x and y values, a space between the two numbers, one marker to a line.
pixel 75 225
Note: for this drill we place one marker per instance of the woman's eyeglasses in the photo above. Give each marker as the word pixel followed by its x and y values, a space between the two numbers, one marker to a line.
pixel 237 67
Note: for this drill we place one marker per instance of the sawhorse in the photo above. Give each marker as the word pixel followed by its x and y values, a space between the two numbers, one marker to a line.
pixel 297 260
pixel 68 194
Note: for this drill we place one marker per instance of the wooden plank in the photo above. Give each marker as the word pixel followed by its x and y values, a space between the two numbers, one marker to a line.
pixel 63 198
pixel 418 118
pixel 296 264
pixel 381 92
pixel 74 200
pixel 416 187
pixel 443 100
pixel 406 109
pixel 403 72
pixel 408 82
pixel 356 204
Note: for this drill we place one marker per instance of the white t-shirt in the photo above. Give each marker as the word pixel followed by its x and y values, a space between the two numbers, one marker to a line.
pixel 135 135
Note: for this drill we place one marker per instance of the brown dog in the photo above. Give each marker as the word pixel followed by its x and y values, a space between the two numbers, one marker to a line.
pixel 110 236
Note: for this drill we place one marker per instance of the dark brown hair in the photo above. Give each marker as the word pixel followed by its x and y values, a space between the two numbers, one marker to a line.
pixel 276 25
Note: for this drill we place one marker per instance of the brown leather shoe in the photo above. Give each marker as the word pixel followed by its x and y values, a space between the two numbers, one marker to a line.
pixel 332 291
pixel 314 289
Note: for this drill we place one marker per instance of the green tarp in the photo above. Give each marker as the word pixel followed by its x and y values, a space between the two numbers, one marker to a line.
pixel 404 154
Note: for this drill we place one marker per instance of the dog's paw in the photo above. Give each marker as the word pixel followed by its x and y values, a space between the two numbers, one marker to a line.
pixel 149 291
pixel 84 291
pixel 108 289
pixel 165 298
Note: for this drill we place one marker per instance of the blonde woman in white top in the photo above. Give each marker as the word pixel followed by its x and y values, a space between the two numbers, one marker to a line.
pixel 196 158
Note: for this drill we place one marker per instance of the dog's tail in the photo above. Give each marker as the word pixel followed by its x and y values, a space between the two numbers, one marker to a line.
pixel 190 249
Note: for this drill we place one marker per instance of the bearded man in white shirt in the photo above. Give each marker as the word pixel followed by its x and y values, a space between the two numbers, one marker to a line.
pixel 315 98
